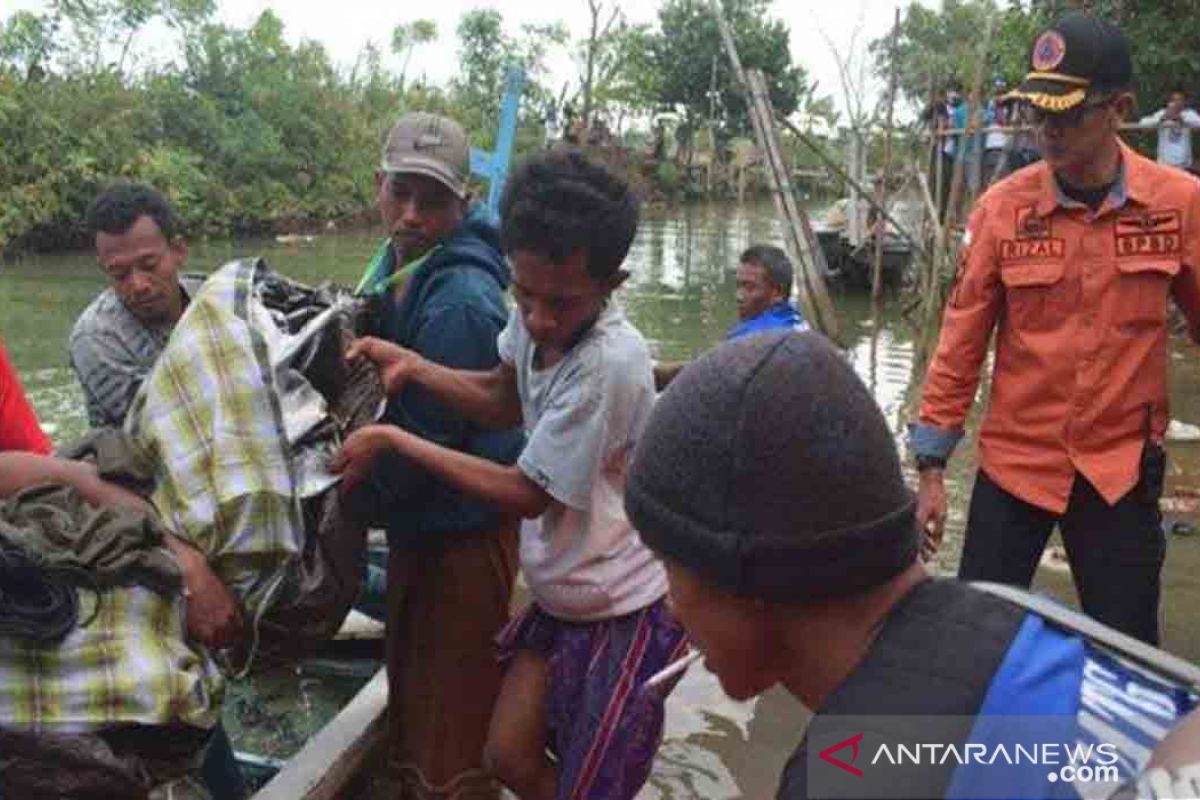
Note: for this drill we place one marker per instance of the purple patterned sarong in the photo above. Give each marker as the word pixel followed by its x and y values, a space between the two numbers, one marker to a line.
pixel 603 727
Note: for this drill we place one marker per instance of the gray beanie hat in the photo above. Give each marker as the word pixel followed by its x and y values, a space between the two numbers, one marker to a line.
pixel 768 469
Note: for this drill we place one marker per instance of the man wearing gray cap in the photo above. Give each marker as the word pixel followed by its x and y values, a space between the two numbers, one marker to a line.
pixel 439 279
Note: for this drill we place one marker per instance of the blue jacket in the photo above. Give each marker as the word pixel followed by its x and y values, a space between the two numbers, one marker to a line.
pixel 451 312
pixel 782 315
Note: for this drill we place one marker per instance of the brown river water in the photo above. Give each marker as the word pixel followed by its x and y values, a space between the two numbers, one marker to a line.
pixel 681 297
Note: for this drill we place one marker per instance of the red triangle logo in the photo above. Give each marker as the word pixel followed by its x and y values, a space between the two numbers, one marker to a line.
pixel 852 742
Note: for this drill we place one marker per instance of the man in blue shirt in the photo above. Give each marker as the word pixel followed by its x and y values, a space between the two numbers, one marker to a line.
pixel 764 284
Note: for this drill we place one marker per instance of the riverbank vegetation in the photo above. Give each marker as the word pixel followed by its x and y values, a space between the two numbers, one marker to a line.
pixel 251 132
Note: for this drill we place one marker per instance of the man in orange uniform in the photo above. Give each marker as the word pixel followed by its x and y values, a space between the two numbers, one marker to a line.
pixel 1071 262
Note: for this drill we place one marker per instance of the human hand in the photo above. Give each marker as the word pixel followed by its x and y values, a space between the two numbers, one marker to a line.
pixel 213 616
pixel 394 363
pixel 931 511
pixel 353 461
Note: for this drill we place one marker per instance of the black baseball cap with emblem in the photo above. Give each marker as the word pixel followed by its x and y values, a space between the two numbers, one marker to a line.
pixel 1079 55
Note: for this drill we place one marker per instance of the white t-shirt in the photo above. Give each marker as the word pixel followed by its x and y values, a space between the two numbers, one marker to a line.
pixel 583 418
pixel 1174 136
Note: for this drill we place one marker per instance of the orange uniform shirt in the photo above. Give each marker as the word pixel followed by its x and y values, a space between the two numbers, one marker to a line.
pixel 1078 301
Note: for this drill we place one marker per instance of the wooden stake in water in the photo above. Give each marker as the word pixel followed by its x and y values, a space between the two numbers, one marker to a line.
pixel 673 669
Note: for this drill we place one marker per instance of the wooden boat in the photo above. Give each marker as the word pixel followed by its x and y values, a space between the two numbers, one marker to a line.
pixel 851 266
pixel 336 762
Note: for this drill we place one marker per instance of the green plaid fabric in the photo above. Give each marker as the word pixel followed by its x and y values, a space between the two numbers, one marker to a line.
pixel 129 664
pixel 209 418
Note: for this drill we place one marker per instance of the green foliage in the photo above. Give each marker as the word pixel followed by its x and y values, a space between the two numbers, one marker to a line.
pixel 407 37
pixel 625 80
pixel 245 133
pixel 27 40
pixel 485 52
pixel 482 51
pixel 687 52
pixel 1163 35
pixel 937 45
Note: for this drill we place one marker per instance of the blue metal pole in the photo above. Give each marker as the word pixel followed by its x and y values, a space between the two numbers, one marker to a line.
pixel 494 166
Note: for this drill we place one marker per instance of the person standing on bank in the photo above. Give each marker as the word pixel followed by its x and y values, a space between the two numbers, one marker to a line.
pixel 452 563
pixel 1071 262
pixel 1175 124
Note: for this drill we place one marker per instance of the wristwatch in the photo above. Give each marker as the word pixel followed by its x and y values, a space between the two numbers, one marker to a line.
pixel 925 462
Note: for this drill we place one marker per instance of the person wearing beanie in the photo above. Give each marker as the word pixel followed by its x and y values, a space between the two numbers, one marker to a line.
pixel 769 483
pixel 577 374
pixel 438 281
pixel 1070 263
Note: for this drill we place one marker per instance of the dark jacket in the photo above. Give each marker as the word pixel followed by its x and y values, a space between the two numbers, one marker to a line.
pixel 451 311
pixel 935 657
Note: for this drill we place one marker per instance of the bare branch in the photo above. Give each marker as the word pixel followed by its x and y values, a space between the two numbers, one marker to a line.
pixel 616 12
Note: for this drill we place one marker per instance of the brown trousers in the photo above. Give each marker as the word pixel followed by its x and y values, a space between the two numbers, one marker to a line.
pixel 445 605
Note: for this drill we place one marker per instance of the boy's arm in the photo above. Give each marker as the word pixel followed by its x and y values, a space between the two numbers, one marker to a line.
pixel 488 398
pixel 505 487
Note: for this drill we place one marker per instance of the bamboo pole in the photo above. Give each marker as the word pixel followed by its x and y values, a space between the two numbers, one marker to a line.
pixel 1124 126
pixel 841 173
pixel 930 205
pixel 934 168
pixel 882 194
pixel 799 238
pixel 941 253
pixel 813 267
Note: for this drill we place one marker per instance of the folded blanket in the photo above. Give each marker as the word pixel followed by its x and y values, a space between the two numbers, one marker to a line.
pixel 238 420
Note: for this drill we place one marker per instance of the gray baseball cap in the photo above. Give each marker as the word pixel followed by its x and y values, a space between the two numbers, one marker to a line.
pixel 427 144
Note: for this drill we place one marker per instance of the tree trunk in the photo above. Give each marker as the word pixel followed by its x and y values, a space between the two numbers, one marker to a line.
pixel 595 7
pixel 885 174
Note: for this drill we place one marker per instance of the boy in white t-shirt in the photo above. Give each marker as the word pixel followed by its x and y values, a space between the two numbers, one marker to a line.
pixel 578 375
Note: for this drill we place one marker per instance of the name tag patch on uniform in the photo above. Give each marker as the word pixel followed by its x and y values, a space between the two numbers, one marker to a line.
pixel 1152 233
pixel 1022 249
